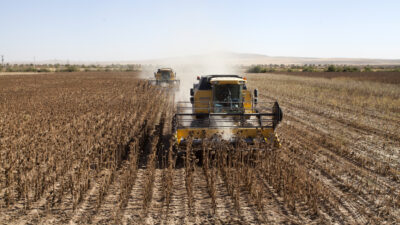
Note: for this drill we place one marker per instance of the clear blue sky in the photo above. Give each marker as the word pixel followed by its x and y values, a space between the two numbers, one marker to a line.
pixel 98 30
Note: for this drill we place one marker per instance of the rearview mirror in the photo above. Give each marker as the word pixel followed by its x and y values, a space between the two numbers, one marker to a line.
pixel 191 92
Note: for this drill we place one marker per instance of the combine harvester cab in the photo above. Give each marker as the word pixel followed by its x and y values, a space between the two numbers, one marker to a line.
pixel 221 107
pixel 165 77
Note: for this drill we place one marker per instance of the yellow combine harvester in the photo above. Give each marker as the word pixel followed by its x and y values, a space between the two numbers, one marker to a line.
pixel 221 106
pixel 165 77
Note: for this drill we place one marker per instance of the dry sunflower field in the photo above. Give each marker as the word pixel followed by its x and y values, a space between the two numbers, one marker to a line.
pixel 97 148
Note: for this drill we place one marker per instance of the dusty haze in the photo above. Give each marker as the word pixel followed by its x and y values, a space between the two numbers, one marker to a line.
pixel 187 70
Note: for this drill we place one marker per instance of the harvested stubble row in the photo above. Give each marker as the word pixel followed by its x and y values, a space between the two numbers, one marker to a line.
pixel 344 133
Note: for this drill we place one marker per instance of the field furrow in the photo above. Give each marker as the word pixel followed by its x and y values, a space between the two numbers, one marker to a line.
pixel 133 212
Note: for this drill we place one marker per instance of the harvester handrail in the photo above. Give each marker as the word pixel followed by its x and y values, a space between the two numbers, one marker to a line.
pixel 225 120
pixel 224 114
pixel 222 123
pixel 179 103
pixel 188 106
pixel 206 101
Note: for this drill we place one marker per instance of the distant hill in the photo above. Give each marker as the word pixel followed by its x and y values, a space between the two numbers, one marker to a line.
pixel 237 59
pixel 248 59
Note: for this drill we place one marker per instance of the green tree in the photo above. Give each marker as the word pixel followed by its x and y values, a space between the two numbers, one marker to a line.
pixel 331 68
pixel 255 69
pixel 367 69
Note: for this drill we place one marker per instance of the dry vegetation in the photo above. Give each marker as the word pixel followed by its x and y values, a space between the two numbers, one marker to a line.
pixel 344 133
pixel 96 148
pixel 389 77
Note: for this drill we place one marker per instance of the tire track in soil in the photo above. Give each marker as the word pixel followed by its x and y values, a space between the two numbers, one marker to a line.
pixel 155 213
pixel 84 211
pixel 202 200
pixel 87 211
pixel 226 210
pixel 133 211
pixel 106 213
pixel 178 209
pixel 62 213
pixel 248 209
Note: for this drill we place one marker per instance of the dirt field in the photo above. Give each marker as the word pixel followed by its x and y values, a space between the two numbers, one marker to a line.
pixel 20 73
pixel 96 148
pixel 383 77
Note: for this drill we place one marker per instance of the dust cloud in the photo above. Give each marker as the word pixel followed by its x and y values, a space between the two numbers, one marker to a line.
pixel 188 68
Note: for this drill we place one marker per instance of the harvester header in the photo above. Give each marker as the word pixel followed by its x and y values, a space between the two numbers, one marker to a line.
pixel 221 105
